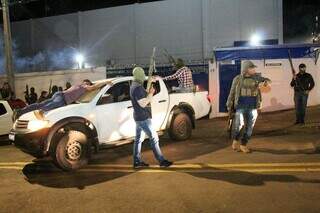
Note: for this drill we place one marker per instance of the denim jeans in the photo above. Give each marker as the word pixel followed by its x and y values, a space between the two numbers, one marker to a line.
pixel 56 101
pixel 300 100
pixel 244 117
pixel 142 128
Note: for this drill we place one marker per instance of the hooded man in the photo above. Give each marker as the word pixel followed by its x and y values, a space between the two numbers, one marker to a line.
pixel 302 83
pixel 141 102
pixel 60 99
pixel 244 99
pixel 183 75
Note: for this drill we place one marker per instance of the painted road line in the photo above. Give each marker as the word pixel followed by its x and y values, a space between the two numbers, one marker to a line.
pixel 187 168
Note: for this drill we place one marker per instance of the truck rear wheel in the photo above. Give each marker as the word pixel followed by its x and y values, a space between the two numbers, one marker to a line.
pixel 181 127
pixel 71 150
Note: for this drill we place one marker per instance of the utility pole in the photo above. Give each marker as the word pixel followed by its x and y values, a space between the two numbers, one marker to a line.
pixel 8 44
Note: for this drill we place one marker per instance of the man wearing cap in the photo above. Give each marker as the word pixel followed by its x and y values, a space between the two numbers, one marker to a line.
pixel 141 102
pixel 302 83
pixel 244 100
pixel 183 75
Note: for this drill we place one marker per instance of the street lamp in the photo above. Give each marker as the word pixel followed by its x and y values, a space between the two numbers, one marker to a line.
pixel 255 40
pixel 79 58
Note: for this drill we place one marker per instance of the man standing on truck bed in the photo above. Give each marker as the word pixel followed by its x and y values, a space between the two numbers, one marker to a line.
pixel 184 76
pixel 60 99
pixel 244 99
pixel 142 115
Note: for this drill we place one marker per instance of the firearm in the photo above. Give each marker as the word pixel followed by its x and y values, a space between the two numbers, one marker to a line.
pixel 152 68
pixel 297 82
pixel 26 92
pixel 291 64
pixel 50 85
pixel 169 57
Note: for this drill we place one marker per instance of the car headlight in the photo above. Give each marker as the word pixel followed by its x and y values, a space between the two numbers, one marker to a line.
pixel 35 125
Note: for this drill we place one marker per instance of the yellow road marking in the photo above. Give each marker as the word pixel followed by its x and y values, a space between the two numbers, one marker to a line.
pixel 189 168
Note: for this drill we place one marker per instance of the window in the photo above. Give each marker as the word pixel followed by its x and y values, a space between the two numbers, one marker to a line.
pixel 117 93
pixel 2 109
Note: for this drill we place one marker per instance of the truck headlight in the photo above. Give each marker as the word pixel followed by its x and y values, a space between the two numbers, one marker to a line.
pixel 35 125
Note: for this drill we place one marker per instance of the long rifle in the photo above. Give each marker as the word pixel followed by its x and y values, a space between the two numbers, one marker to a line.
pixel 297 82
pixel 152 68
pixel 50 86
pixel 169 57
pixel 291 64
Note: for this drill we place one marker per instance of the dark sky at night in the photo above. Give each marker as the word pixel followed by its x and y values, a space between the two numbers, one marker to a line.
pixel 298 15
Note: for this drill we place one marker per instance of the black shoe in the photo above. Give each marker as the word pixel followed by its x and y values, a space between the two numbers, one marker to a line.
pixel 297 123
pixel 166 163
pixel 141 164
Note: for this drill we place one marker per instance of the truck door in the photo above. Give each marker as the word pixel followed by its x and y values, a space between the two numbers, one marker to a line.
pixel 115 114
pixel 159 104
pixel 5 120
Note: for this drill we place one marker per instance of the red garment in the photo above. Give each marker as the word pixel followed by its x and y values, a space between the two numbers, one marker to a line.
pixel 17 104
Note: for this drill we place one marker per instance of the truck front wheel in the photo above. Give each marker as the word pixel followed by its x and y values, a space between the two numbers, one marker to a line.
pixel 70 151
pixel 181 127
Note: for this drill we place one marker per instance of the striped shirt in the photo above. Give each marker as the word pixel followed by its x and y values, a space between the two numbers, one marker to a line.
pixel 184 77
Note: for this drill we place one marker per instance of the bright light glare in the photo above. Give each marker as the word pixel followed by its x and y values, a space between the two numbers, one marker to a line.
pixel 79 58
pixel 35 125
pixel 255 40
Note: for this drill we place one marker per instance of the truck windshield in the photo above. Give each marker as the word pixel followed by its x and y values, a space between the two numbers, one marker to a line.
pixel 88 96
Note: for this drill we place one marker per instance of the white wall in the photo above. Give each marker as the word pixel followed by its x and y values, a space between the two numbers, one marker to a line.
pixel 127 34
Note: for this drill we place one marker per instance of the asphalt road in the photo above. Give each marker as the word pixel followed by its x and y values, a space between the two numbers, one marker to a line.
pixel 281 175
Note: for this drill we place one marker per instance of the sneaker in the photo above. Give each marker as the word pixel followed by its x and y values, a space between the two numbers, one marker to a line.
pixel 235 145
pixel 39 114
pixel 244 149
pixel 141 164
pixel 165 163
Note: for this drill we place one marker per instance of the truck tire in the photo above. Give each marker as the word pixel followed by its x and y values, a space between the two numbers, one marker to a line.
pixel 181 127
pixel 70 151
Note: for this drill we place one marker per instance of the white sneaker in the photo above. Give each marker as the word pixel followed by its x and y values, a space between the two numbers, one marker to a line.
pixel 244 149
pixel 235 145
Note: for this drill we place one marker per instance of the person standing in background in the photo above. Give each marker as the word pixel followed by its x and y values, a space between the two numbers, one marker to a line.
pixel 302 83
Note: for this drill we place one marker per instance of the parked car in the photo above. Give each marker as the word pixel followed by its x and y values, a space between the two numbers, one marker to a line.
pixel 104 117
pixel 5 120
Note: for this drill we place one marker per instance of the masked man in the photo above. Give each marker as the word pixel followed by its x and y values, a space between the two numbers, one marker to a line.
pixel 302 83
pixel 183 75
pixel 244 100
pixel 141 102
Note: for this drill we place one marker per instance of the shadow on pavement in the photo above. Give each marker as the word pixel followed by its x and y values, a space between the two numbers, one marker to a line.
pixel 287 151
pixel 251 179
pixel 46 174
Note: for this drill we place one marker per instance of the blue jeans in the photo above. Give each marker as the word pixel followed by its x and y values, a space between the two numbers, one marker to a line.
pixel 300 101
pixel 56 101
pixel 145 127
pixel 244 117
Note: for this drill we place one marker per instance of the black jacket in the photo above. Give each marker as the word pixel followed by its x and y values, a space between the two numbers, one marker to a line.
pixel 303 82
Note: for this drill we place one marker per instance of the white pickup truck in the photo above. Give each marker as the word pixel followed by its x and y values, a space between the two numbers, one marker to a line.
pixel 70 134
pixel 5 120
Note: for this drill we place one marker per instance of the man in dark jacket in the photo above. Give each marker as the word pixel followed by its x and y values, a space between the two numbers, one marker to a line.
pixel 302 83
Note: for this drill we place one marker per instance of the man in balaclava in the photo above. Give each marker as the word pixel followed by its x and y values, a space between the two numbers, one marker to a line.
pixel 302 83
pixel 183 75
pixel 244 100
pixel 141 102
